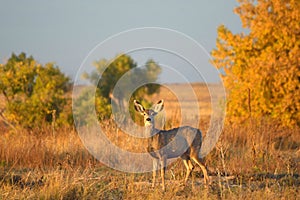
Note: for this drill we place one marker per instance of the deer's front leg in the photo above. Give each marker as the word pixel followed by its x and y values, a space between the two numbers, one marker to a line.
pixel 162 172
pixel 155 168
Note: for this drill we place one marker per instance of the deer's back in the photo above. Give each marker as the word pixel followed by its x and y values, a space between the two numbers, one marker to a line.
pixel 175 142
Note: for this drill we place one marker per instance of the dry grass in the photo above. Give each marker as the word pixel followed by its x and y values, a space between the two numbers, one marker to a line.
pixel 258 160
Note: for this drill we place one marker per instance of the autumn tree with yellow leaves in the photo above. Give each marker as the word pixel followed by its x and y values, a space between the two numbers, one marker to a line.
pixel 262 66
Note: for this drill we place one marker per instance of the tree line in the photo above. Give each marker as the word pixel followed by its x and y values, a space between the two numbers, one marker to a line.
pixel 36 95
pixel 260 70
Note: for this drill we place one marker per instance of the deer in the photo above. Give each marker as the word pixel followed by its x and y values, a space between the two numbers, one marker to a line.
pixel 184 142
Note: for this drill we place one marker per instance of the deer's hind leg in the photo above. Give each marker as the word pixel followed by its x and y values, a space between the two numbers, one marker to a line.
pixel 201 164
pixel 189 167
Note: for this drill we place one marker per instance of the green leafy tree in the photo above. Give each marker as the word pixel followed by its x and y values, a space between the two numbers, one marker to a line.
pixel 262 68
pixel 34 94
pixel 84 105
pixel 122 67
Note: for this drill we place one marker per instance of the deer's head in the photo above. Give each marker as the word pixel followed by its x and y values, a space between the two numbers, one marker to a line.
pixel 149 114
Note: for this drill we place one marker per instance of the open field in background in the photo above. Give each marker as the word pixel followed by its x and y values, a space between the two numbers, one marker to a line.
pixel 258 160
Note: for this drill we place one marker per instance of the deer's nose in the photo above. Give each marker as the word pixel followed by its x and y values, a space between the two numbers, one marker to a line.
pixel 148 119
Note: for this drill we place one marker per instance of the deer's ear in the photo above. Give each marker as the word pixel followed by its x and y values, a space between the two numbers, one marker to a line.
pixel 138 107
pixel 159 106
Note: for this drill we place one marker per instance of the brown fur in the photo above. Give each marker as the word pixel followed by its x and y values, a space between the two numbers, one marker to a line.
pixel 184 142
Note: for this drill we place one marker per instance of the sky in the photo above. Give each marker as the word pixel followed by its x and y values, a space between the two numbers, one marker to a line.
pixel 66 31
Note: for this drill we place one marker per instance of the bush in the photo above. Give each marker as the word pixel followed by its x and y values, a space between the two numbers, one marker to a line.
pixel 34 94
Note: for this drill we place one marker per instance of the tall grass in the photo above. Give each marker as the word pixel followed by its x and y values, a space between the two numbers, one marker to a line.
pixel 256 160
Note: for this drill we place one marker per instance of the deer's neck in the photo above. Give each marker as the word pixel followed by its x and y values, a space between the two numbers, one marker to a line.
pixel 152 135
pixel 150 131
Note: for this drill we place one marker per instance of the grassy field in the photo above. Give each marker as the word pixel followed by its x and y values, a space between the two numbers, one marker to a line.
pixel 259 160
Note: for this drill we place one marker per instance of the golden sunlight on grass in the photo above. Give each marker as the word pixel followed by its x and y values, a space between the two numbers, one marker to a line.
pixel 258 160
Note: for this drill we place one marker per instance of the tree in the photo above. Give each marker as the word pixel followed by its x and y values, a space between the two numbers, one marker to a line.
pixel 125 68
pixel 262 68
pixel 34 94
